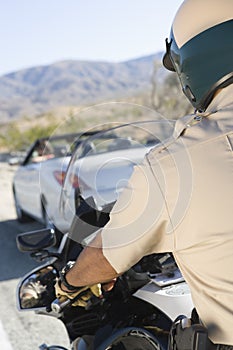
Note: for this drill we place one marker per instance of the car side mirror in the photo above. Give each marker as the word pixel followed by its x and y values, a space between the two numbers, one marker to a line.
pixel 36 240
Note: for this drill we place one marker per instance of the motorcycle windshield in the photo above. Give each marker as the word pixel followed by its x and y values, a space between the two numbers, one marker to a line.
pixel 101 166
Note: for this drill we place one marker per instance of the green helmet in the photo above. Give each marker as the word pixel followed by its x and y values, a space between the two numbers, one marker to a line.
pixel 200 48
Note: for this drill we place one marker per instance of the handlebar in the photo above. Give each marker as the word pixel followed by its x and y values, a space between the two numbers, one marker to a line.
pixel 57 306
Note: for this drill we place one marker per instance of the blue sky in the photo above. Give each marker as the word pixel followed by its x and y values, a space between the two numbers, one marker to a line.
pixel 39 32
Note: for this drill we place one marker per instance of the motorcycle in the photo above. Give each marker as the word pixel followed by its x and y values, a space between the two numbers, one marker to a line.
pixel 137 313
pixel 140 310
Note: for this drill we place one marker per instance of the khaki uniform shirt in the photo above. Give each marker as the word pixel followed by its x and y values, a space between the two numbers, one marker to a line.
pixel 181 200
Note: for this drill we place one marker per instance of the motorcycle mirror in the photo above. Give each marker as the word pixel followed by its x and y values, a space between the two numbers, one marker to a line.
pixel 36 290
pixel 36 240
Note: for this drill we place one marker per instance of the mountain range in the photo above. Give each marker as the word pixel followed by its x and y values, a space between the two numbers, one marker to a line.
pixel 36 90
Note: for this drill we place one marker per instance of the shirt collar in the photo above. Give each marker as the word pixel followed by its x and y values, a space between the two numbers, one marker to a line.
pixel 223 100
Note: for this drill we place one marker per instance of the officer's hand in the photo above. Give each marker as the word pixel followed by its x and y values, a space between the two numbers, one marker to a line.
pixel 86 293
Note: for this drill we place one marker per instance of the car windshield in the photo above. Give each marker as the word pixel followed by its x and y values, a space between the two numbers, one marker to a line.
pixel 54 147
pixel 101 166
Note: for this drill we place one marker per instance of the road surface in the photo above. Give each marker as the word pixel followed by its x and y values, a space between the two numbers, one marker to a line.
pixel 19 330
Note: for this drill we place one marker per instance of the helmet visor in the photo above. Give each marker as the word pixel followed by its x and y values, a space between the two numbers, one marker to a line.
pixel 167 61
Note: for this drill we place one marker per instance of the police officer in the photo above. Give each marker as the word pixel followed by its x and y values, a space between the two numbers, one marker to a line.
pixel 181 198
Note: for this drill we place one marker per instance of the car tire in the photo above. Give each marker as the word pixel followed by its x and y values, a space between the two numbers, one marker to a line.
pixel 22 217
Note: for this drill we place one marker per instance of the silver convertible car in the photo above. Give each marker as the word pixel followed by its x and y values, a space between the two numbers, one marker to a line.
pixel 59 171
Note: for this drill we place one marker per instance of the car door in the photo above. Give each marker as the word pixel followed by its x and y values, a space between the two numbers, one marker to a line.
pixel 27 187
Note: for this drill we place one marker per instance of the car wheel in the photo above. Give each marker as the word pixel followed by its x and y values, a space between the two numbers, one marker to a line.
pixel 22 217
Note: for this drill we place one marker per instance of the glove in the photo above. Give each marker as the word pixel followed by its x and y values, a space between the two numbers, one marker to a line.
pixel 86 292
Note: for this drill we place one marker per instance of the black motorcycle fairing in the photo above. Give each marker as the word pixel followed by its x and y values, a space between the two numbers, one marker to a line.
pixel 88 219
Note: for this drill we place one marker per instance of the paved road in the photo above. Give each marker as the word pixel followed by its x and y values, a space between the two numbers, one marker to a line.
pixel 19 330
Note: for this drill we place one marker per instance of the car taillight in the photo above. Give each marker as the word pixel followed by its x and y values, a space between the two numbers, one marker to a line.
pixel 59 176
pixel 74 180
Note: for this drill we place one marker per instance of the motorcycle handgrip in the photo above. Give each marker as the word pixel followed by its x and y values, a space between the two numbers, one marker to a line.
pixel 57 306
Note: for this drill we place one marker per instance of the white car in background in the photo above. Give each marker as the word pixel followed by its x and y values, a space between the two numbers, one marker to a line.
pixel 59 171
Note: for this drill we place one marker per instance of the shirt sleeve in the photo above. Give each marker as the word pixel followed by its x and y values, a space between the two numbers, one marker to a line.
pixel 138 221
